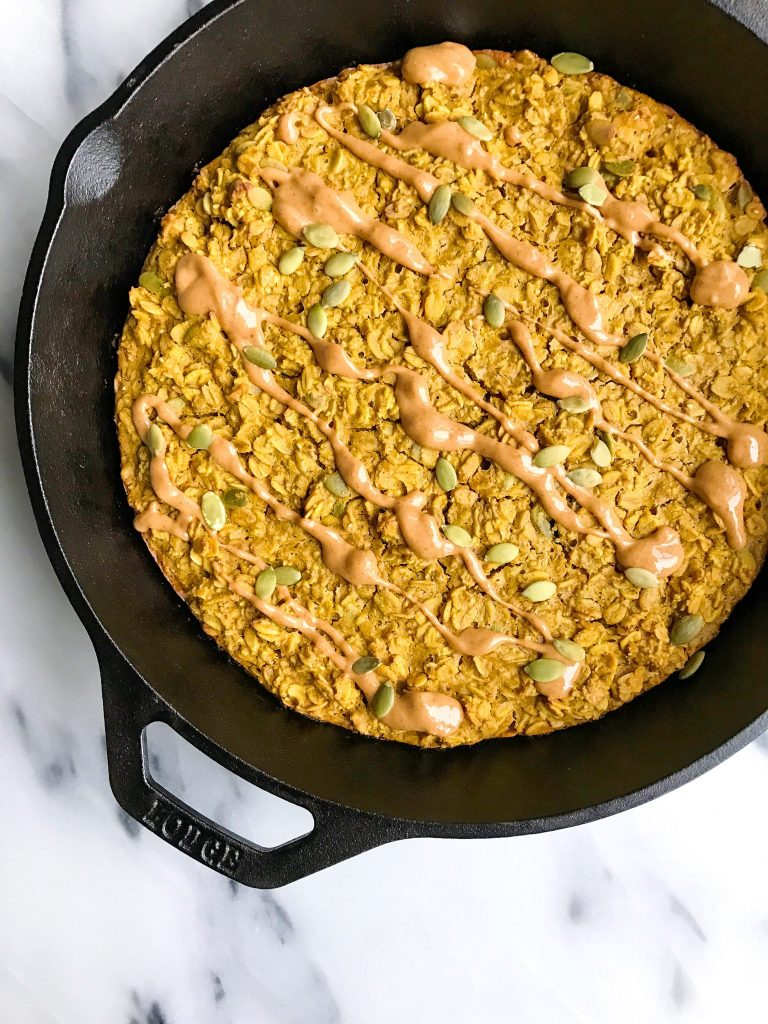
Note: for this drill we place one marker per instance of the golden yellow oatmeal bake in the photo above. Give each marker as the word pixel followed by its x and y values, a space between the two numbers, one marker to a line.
pixel 441 396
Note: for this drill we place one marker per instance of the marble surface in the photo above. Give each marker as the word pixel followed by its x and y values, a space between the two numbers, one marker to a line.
pixel 660 914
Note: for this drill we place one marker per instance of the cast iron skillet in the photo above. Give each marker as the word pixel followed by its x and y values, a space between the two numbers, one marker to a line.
pixel 128 161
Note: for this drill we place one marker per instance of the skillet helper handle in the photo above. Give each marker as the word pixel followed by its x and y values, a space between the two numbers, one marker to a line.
pixel 129 707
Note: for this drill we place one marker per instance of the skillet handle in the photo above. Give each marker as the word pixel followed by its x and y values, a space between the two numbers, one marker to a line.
pixel 130 706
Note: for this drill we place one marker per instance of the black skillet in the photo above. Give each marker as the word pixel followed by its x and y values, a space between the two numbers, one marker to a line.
pixel 128 161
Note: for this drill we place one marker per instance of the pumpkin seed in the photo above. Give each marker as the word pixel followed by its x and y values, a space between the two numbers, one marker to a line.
pixel 541 590
pixel 338 510
pixel 340 264
pixel 446 474
pixel 336 293
pixel 383 700
pixel 387 119
pixel 291 260
pixel 600 454
pixel 679 366
pixel 544 670
pixel 213 511
pixel 750 257
pixel 494 311
pixel 541 521
pixel 600 131
pixel 260 198
pixel 581 176
pixel 703 192
pixel 551 456
pixel 200 437
pixel 485 62
pixel 317 320
pixel 153 283
pixel 476 128
pixel 685 630
pixel 370 124
pixel 743 195
pixel 575 403
pixel 334 483
pixel 265 584
pixel 462 204
pixel 595 195
pixel 337 161
pixel 570 650
pixel 634 348
pixel 500 554
pixel 154 439
pixel 457 535
pixel 585 477
pixel 234 497
pixel 760 280
pixel 692 665
pixel 367 663
pixel 619 168
pixel 286 575
pixel 641 578
pixel 322 236
pixel 607 438
pixel 623 99
pixel 439 204
pixel 569 63
pixel 259 357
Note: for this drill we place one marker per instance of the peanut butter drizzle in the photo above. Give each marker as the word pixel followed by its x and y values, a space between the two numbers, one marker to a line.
pixel 287 129
pixel 302 198
pixel 442 63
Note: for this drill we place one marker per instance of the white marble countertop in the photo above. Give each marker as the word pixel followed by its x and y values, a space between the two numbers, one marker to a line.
pixel 659 914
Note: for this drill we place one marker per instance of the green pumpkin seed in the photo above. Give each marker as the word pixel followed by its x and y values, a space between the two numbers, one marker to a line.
pixel 575 404
pixel 338 510
pixel 234 497
pixel 317 320
pixel 259 357
pixel 154 439
pixel 679 366
pixel 368 121
pixel 600 454
pixel 322 236
pixel 383 700
pixel 494 311
pixel 703 192
pixel 743 195
pixel 334 483
pixel 213 511
pixel 153 283
pixel 367 663
pixel 446 474
pixel 286 575
pixel 685 630
pixel 485 61
pixel 760 280
pixel 595 195
pixel 553 455
pixel 337 161
pixel 585 477
pixel 439 204
pixel 462 204
pixel 581 176
pixel 544 670
pixel 619 168
pixel 634 348
pixel 200 437
pixel 265 584
pixel 500 554
pixel 570 650
pixel 607 438
pixel 260 198
pixel 476 128
pixel 387 119
pixel 541 521
pixel 541 590
pixel 641 578
pixel 336 293
pixel 291 260
pixel 457 535
pixel 570 63
pixel 340 263
pixel 692 665
pixel 750 257
pixel 623 99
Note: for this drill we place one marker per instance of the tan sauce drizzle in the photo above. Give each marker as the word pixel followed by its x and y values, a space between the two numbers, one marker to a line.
pixel 287 129
pixel 442 63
